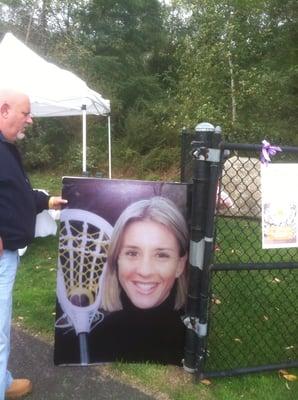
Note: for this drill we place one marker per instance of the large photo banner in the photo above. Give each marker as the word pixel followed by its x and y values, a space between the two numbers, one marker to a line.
pixel 121 278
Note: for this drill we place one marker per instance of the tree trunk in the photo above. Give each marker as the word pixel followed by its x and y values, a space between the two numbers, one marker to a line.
pixel 233 95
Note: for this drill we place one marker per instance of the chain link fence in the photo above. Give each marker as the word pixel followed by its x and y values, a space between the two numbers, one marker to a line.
pixel 253 292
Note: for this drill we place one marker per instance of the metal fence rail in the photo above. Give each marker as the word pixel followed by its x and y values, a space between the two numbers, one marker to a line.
pixel 252 292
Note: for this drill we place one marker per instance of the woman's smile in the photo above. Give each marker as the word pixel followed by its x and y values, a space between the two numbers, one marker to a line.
pixel 145 287
pixel 149 263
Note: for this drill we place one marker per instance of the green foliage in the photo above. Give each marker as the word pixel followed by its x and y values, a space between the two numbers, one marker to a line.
pixel 140 133
pixel 50 181
pixel 37 152
pixel 159 160
pixel 97 150
pixel 234 65
pixel 146 144
pixel 163 67
pixel 123 37
pixel 46 143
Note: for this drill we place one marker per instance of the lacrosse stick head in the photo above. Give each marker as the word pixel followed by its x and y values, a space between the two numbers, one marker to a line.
pixel 83 245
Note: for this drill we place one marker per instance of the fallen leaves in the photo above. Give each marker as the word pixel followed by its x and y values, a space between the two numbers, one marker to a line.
pixel 215 300
pixel 205 382
pixel 284 374
pixel 288 377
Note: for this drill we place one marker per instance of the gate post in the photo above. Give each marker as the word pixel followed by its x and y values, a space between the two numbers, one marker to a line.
pixel 206 162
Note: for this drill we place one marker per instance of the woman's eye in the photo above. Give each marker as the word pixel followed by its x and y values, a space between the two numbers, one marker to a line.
pixel 131 253
pixel 163 255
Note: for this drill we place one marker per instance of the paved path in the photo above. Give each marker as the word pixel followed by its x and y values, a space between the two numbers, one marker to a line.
pixel 32 358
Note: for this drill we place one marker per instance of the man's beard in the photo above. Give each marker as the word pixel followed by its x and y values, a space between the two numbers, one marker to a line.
pixel 21 136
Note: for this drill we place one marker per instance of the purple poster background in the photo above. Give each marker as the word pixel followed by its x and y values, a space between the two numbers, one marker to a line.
pixel 109 197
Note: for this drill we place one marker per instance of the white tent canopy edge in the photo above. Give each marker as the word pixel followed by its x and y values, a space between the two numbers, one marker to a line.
pixel 53 92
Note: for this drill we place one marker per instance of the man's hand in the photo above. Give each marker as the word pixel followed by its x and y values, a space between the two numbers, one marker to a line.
pixel 55 202
pixel 1 246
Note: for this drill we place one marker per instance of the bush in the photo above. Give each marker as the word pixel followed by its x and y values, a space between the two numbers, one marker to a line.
pixel 161 159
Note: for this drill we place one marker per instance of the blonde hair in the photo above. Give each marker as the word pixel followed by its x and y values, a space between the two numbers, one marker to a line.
pixel 158 209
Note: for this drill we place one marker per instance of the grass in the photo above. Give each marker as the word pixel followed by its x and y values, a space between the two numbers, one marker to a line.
pixel 253 321
pixel 34 294
pixel 240 241
pixel 34 307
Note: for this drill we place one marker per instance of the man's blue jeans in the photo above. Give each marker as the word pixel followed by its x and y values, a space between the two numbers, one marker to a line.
pixel 9 262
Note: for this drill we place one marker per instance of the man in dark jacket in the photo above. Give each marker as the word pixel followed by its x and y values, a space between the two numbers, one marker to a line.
pixel 19 205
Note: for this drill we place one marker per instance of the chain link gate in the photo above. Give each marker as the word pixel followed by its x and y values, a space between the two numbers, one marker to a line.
pixel 242 302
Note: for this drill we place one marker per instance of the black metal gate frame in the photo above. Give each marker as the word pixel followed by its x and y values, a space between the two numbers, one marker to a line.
pixel 207 151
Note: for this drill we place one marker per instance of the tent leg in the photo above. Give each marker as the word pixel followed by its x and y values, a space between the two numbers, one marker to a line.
pixel 84 139
pixel 110 147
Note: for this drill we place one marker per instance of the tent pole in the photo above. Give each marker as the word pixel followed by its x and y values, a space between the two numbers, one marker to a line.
pixel 84 140
pixel 110 147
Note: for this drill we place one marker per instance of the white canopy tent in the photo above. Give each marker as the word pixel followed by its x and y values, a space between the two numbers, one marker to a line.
pixel 53 91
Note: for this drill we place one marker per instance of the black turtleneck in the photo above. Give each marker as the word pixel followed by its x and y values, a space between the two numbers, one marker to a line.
pixel 132 335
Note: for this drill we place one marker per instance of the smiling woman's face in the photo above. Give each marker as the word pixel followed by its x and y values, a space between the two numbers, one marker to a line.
pixel 149 263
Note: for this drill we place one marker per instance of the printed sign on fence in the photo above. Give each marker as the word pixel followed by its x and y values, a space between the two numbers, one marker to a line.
pixel 279 205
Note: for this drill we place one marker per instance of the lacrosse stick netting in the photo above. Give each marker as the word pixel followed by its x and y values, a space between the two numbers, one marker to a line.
pixel 83 245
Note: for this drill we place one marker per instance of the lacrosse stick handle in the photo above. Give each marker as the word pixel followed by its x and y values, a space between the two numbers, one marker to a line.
pixel 84 352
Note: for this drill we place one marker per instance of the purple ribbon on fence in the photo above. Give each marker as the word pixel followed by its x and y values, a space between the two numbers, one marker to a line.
pixel 267 151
